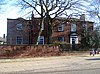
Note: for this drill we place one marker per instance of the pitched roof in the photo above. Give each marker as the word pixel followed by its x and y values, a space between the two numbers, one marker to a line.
pixel 2 39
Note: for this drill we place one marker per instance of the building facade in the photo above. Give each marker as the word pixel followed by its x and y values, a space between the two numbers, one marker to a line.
pixel 70 31
pixel 19 31
pixel 16 31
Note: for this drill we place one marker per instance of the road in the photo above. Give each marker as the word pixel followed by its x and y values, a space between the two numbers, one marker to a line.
pixel 79 71
pixel 53 65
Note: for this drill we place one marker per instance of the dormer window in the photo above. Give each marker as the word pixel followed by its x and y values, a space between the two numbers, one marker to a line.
pixel 73 27
pixel 19 27
pixel 61 28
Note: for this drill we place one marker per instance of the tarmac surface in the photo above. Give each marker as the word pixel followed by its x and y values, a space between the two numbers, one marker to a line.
pixel 47 65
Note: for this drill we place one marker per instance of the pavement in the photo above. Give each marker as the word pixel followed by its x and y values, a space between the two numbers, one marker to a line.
pixel 49 63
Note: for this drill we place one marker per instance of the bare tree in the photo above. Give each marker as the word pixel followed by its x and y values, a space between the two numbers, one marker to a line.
pixel 92 39
pixel 94 10
pixel 50 9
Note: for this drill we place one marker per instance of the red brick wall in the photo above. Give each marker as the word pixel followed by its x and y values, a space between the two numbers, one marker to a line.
pixel 55 33
pixel 28 51
pixel 67 30
pixel 36 30
pixel 12 32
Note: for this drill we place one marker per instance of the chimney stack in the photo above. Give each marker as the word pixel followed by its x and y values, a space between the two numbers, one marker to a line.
pixel 82 17
pixel 4 36
pixel 32 15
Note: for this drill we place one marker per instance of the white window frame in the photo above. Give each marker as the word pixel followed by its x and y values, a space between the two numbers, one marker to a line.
pixel 62 39
pixel 17 40
pixel 73 27
pixel 61 28
pixel 19 26
pixel 41 37
pixel 75 38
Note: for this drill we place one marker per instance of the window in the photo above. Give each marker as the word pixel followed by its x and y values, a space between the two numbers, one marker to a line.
pixel 19 40
pixel 61 28
pixel 19 27
pixel 85 26
pixel 41 40
pixel 61 39
pixel 73 27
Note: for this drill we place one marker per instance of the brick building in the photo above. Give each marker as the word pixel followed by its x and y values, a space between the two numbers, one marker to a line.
pixel 70 31
pixel 16 33
pixel 63 30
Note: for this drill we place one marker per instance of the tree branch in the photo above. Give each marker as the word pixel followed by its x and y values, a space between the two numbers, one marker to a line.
pixel 32 6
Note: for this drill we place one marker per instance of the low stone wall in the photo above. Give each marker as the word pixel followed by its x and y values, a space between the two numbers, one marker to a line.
pixel 16 51
pixel 26 50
